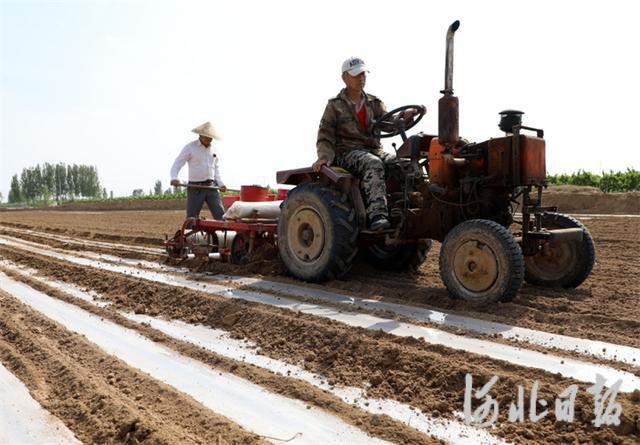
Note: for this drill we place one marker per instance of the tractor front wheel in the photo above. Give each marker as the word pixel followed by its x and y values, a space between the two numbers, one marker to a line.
pixel 561 263
pixel 481 261
pixel 317 233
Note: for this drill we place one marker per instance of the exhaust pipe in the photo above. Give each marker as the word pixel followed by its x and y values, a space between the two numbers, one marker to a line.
pixel 448 119
pixel 448 69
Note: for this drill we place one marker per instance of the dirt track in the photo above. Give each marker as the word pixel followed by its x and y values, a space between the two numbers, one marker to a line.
pixel 103 399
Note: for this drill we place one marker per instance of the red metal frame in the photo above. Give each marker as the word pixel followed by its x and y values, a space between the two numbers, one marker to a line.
pixel 248 227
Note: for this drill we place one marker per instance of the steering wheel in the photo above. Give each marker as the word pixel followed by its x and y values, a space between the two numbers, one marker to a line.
pixel 393 123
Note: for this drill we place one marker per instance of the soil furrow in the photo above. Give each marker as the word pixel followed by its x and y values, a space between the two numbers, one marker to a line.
pixel 428 377
pixel 100 398
pixel 612 292
pixel 377 425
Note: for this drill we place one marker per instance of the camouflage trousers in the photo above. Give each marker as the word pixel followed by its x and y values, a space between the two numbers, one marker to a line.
pixel 369 167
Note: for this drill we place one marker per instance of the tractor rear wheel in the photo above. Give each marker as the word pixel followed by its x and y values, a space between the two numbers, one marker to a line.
pixel 317 233
pixel 561 263
pixel 404 257
pixel 481 261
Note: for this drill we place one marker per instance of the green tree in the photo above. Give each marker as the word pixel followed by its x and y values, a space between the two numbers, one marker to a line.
pixel 61 187
pixel 15 194
pixel 157 190
pixel 45 194
pixel 91 183
pixel 27 185
pixel 70 182
pixel 49 178
pixel 75 174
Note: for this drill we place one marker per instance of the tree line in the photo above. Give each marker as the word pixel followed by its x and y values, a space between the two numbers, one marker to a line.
pixel 59 182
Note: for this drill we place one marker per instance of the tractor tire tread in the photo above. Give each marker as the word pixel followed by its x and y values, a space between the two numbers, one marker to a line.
pixel 587 255
pixel 344 235
pixel 513 278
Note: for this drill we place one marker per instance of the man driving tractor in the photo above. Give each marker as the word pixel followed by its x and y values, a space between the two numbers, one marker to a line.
pixel 345 140
pixel 438 186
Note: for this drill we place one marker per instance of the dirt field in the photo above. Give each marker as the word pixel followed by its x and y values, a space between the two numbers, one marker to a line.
pixel 348 334
pixel 572 199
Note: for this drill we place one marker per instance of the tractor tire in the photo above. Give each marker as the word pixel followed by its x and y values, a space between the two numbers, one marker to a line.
pixel 317 233
pixel 398 258
pixel 481 261
pixel 561 264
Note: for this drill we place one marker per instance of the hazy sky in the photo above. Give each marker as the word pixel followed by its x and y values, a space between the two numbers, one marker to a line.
pixel 120 84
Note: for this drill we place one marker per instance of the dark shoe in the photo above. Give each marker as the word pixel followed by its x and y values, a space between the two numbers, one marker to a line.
pixel 378 223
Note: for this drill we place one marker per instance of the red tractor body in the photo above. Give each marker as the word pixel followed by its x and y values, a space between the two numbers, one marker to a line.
pixel 466 195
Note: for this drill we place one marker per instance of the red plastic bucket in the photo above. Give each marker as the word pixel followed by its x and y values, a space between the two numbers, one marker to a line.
pixel 282 194
pixel 253 193
pixel 228 200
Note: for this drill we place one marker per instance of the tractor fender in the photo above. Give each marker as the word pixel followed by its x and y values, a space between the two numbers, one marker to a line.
pixel 336 175
pixel 339 177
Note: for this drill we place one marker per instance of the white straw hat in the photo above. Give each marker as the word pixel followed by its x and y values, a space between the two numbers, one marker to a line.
pixel 207 130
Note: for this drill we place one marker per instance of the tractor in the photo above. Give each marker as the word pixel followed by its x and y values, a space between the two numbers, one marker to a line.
pixel 482 201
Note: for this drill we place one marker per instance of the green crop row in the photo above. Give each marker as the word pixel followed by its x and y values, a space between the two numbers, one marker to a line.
pixel 158 197
pixel 628 181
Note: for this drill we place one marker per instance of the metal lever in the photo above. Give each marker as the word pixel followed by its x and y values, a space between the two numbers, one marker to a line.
pixel 197 186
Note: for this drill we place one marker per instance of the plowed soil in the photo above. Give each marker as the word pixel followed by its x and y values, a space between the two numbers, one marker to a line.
pixel 102 400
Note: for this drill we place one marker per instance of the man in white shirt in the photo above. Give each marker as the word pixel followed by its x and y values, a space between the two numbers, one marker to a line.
pixel 203 170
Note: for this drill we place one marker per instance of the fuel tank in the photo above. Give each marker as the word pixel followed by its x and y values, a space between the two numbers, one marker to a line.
pixel 524 152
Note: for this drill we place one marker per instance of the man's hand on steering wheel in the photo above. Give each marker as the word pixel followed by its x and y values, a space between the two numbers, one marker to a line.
pixel 408 114
pixel 398 121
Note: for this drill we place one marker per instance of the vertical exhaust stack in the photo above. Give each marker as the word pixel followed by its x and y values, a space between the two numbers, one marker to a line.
pixel 448 118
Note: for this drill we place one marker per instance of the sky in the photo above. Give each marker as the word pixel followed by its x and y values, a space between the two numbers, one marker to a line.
pixel 120 84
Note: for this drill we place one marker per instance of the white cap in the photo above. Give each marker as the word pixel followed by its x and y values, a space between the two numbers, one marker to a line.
pixel 354 66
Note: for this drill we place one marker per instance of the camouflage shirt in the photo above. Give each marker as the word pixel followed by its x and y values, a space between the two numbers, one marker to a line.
pixel 339 128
